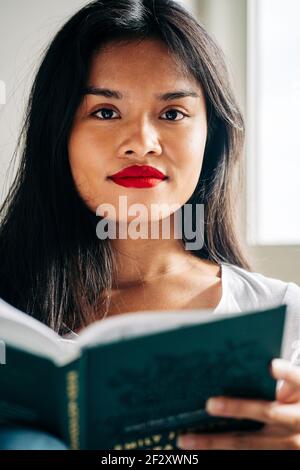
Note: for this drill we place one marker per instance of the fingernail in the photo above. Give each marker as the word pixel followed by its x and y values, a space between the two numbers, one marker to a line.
pixel 279 365
pixel 215 405
pixel 280 384
pixel 185 442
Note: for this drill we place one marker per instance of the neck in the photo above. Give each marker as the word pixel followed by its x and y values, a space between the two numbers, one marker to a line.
pixel 146 260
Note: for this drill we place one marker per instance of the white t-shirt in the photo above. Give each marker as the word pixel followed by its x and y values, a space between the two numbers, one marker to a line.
pixel 243 290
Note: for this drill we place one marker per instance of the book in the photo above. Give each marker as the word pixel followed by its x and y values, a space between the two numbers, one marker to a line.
pixel 136 380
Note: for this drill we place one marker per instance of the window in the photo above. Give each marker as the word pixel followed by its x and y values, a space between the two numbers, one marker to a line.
pixel 273 122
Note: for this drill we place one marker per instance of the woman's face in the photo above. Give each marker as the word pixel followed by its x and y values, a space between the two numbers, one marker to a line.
pixel 111 133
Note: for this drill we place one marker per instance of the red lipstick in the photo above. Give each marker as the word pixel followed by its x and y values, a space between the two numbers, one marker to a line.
pixel 138 177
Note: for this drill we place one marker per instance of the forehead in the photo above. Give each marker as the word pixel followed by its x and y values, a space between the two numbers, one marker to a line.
pixel 132 63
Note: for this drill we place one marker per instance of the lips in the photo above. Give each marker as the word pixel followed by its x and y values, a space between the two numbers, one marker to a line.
pixel 138 177
pixel 137 171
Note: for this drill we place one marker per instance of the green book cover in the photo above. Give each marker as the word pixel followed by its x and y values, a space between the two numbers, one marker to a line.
pixel 136 380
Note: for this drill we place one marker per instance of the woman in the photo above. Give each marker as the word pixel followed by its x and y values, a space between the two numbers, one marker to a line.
pixel 138 83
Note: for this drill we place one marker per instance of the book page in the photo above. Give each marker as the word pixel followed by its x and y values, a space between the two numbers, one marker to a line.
pixel 129 325
pixel 25 332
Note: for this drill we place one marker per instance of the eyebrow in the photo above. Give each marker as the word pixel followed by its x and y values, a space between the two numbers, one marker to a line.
pixel 170 95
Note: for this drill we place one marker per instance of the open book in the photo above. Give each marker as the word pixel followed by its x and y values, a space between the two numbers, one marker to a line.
pixel 136 380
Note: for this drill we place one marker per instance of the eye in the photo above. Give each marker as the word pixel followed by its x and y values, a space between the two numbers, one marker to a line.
pixel 173 113
pixel 105 112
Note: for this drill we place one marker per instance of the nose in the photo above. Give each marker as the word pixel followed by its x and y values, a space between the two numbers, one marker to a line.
pixel 141 140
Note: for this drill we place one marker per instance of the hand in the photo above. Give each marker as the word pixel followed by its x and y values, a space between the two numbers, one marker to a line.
pixel 281 417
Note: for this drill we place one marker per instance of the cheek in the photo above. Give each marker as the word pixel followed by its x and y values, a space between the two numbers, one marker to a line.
pixel 80 145
pixel 88 163
pixel 189 151
pixel 87 154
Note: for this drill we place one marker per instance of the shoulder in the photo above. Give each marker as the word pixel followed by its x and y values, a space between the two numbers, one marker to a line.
pixel 259 290
pixel 254 290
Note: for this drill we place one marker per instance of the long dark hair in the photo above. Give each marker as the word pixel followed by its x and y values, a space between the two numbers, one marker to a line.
pixel 52 264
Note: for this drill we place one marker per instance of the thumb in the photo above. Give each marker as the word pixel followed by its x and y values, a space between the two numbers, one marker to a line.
pixel 286 392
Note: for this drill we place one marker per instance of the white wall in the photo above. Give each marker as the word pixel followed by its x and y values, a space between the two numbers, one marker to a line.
pixel 227 21
pixel 25 30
